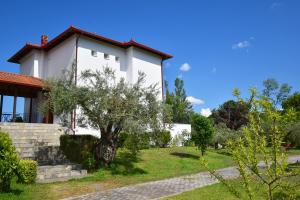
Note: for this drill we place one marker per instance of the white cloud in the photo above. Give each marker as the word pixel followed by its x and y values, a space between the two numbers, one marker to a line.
pixel 185 67
pixel 194 100
pixel 206 112
pixel 241 45
pixel 179 76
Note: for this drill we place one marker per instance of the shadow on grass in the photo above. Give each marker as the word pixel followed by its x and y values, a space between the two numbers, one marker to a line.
pixel 185 155
pixel 15 192
pixel 124 164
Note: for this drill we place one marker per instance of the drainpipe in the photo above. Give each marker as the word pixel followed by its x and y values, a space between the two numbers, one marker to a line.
pixel 76 57
pixel 1 106
pixel 75 71
pixel 162 79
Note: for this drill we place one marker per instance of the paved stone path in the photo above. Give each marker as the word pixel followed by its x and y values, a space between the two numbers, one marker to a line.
pixel 167 187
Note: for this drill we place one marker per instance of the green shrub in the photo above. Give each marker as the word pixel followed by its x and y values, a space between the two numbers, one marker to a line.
pixel 89 161
pixel 165 138
pixel 225 152
pixel 122 138
pixel 9 161
pixel 75 148
pixel 293 136
pixel 162 138
pixel 134 142
pixel 27 171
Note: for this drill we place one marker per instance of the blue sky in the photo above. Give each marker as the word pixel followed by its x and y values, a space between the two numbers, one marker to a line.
pixel 224 44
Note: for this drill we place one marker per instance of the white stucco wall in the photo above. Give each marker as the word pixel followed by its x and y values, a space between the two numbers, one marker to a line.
pixel 177 129
pixel 87 61
pixel 150 64
pixel 44 65
pixel 60 58
pixel 27 64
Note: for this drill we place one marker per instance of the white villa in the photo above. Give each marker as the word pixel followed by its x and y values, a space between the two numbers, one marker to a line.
pixel 87 51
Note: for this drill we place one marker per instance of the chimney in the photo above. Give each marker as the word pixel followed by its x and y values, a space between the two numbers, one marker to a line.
pixel 44 40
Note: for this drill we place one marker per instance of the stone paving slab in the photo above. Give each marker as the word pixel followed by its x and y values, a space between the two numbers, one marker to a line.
pixel 163 188
pixel 157 189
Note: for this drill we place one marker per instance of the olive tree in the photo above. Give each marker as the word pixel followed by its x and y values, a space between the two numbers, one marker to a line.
pixel 109 105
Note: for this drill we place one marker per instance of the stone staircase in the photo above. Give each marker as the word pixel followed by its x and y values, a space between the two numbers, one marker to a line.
pixel 38 142
pixel 41 142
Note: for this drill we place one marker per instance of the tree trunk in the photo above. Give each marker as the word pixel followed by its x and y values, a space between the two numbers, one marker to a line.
pixel 107 148
pixel 216 145
pixel 270 195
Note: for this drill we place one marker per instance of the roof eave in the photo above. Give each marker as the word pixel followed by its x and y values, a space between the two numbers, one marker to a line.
pixel 24 50
pixel 73 30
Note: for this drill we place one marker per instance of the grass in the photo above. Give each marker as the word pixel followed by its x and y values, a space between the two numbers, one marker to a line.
pixel 219 191
pixel 152 164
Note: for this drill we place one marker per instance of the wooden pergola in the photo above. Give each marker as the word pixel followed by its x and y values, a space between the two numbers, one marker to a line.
pixel 18 85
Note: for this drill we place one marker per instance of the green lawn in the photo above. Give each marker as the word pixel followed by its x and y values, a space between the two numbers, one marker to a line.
pixel 153 164
pixel 219 191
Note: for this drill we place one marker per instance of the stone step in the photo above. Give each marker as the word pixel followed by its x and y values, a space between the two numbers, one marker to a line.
pixel 26 150
pixel 34 140
pixel 27 156
pixel 37 142
pixel 23 145
pixel 28 124
pixel 59 173
pixel 27 131
pixel 32 132
pixel 59 167
pixel 29 135
pixel 35 133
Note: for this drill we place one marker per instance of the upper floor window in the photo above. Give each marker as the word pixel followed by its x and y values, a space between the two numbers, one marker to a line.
pixel 117 59
pixel 106 56
pixel 94 53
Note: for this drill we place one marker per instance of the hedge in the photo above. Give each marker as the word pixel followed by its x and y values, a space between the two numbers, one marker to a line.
pixel 80 149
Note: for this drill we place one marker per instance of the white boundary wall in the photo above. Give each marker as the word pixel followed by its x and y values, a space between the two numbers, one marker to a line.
pixel 176 131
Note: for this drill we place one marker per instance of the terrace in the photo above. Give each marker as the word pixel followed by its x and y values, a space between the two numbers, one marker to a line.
pixel 27 87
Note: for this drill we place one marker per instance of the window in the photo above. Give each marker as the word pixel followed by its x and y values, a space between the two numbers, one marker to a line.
pixel 117 59
pixel 94 53
pixel 106 56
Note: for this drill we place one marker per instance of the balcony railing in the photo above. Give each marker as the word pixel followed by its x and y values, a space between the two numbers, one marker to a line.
pixel 20 117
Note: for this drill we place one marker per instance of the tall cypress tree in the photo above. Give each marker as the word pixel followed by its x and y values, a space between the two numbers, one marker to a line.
pixel 181 107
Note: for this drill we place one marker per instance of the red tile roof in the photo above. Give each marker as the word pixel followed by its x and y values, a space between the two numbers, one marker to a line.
pixel 20 79
pixel 73 30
